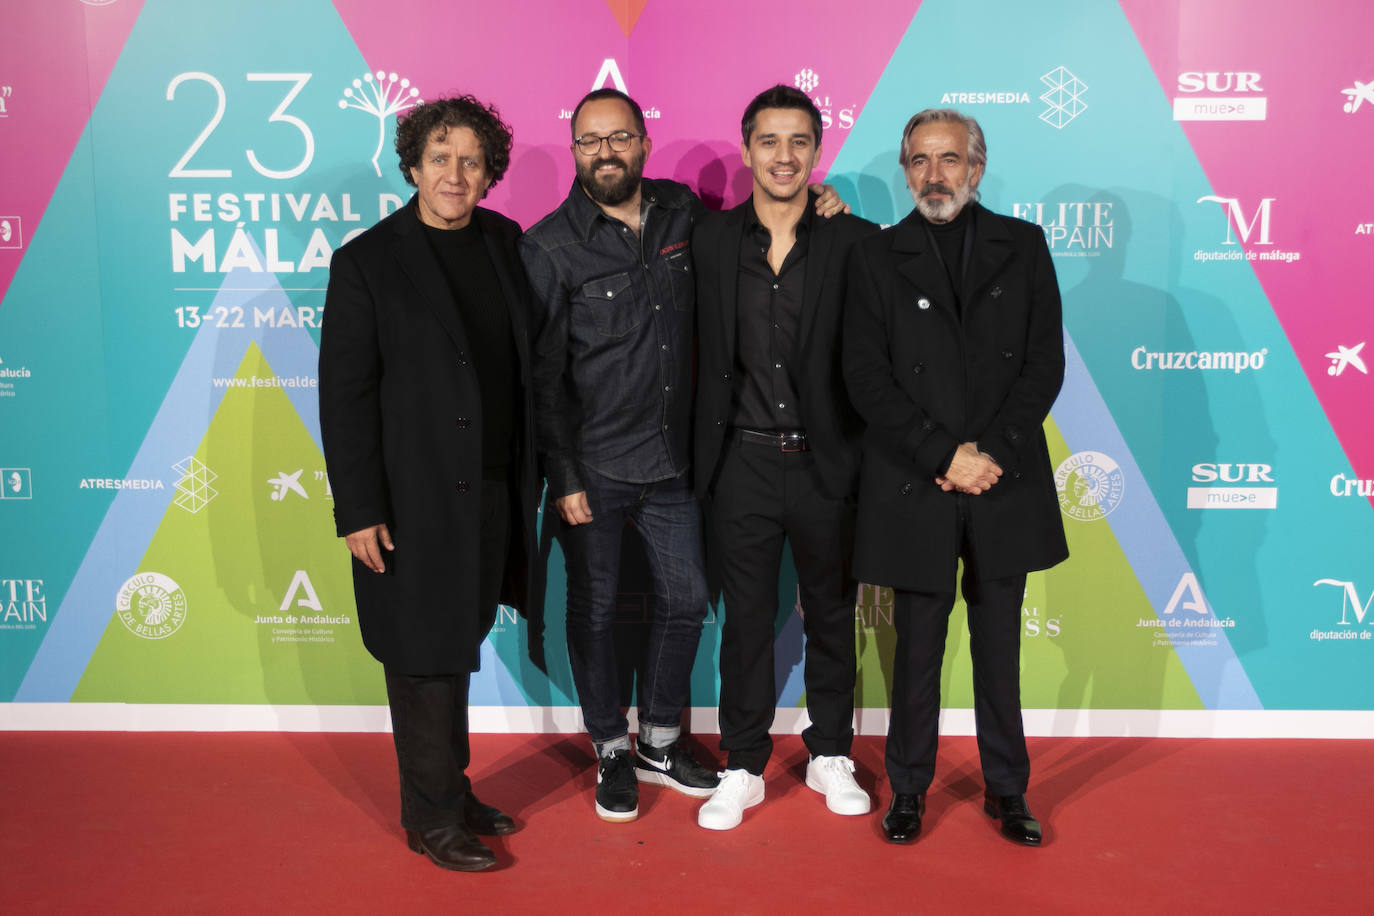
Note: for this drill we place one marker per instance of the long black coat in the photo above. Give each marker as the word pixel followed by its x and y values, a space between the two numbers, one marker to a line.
pixel 401 419
pixel 924 381
pixel 832 426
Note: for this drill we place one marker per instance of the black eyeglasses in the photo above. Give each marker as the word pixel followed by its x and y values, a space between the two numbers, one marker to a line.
pixel 590 144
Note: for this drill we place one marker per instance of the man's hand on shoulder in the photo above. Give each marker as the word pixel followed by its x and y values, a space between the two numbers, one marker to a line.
pixel 574 508
pixel 828 201
pixel 366 544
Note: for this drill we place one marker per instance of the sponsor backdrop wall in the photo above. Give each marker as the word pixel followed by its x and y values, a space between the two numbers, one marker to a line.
pixel 177 174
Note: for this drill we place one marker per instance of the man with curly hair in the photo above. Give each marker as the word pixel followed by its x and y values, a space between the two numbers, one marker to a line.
pixel 426 421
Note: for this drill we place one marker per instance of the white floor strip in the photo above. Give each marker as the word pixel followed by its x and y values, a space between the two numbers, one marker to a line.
pixel 1077 723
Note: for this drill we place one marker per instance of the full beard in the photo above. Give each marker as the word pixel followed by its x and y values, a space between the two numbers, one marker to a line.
pixel 611 193
pixel 942 211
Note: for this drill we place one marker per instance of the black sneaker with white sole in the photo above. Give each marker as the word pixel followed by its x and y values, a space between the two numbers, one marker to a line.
pixel 617 793
pixel 675 767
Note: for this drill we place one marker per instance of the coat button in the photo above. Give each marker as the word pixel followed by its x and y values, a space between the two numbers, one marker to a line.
pixel 923 303
pixel 906 488
pixel 1007 354
pixel 720 422
pixel 1013 434
pixel 927 425
pixel 462 486
pixel 918 368
pixel 725 376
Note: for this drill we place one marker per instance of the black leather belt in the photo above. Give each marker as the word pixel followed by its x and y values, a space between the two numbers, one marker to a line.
pixel 787 440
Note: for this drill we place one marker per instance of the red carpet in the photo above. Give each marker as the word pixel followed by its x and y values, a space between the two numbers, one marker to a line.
pixel 307 823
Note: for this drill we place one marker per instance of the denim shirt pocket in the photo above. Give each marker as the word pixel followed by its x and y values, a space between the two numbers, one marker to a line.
pixel 610 302
pixel 680 280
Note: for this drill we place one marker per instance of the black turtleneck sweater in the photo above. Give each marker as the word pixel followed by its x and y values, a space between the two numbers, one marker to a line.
pixel 482 308
pixel 949 241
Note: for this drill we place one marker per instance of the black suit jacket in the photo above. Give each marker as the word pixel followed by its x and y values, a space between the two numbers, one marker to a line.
pixel 401 419
pixel 927 376
pixel 832 426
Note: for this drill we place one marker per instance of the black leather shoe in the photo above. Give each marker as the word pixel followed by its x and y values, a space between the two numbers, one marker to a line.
pixel 453 847
pixel 1017 823
pixel 902 823
pixel 485 819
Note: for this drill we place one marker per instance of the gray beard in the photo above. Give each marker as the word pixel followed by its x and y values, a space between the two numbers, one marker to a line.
pixel 945 210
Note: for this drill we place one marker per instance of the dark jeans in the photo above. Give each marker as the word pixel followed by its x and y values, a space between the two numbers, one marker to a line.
pixel 921 620
pixel 429 713
pixel 762 496
pixel 668 519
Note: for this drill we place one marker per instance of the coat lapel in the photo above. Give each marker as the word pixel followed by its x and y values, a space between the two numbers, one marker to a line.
pixel 992 248
pixel 515 302
pixel 820 247
pixel 728 259
pixel 417 260
pixel 921 266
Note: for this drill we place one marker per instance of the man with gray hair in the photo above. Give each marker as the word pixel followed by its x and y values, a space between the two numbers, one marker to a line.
pixel 953 355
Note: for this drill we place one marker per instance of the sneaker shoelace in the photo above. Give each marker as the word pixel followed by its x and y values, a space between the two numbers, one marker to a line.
pixel 840 769
pixel 618 771
pixel 733 786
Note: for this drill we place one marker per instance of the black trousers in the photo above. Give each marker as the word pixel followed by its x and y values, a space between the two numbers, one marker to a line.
pixel 763 496
pixel 429 713
pixel 921 620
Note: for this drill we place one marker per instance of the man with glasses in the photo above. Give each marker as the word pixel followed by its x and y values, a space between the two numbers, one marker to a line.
pixel 611 271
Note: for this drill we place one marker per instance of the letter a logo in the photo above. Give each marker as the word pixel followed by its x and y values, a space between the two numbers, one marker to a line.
pixel 1187 595
pixel 609 70
pixel 301 583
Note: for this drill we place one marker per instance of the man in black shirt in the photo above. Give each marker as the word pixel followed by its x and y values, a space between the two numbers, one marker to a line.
pixel 613 379
pixel 776 445
pixel 612 274
pixel 426 421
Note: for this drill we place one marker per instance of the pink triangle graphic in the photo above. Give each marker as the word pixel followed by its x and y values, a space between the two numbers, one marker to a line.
pixel 46 105
pixel 1300 158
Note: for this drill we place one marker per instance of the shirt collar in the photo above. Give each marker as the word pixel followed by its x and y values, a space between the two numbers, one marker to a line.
pixel 752 223
pixel 583 211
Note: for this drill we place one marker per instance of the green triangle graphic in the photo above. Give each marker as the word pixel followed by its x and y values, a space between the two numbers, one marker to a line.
pixel 1081 647
pixel 237 545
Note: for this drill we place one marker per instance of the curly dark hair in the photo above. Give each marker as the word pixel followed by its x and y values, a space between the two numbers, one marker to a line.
pixel 414 130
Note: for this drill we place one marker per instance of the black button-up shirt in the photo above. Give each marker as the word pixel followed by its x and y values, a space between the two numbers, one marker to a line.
pixel 767 322
pixel 613 337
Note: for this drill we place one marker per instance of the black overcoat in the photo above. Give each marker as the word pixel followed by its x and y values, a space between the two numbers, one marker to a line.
pixel 401 420
pixel 927 376
pixel 832 427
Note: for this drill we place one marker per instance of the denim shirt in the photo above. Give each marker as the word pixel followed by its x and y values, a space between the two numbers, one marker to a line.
pixel 613 338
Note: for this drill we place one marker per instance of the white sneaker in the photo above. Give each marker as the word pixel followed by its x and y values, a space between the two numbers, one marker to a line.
pixel 738 789
pixel 833 777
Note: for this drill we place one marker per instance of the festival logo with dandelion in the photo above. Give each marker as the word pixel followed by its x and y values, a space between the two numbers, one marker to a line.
pixel 381 94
